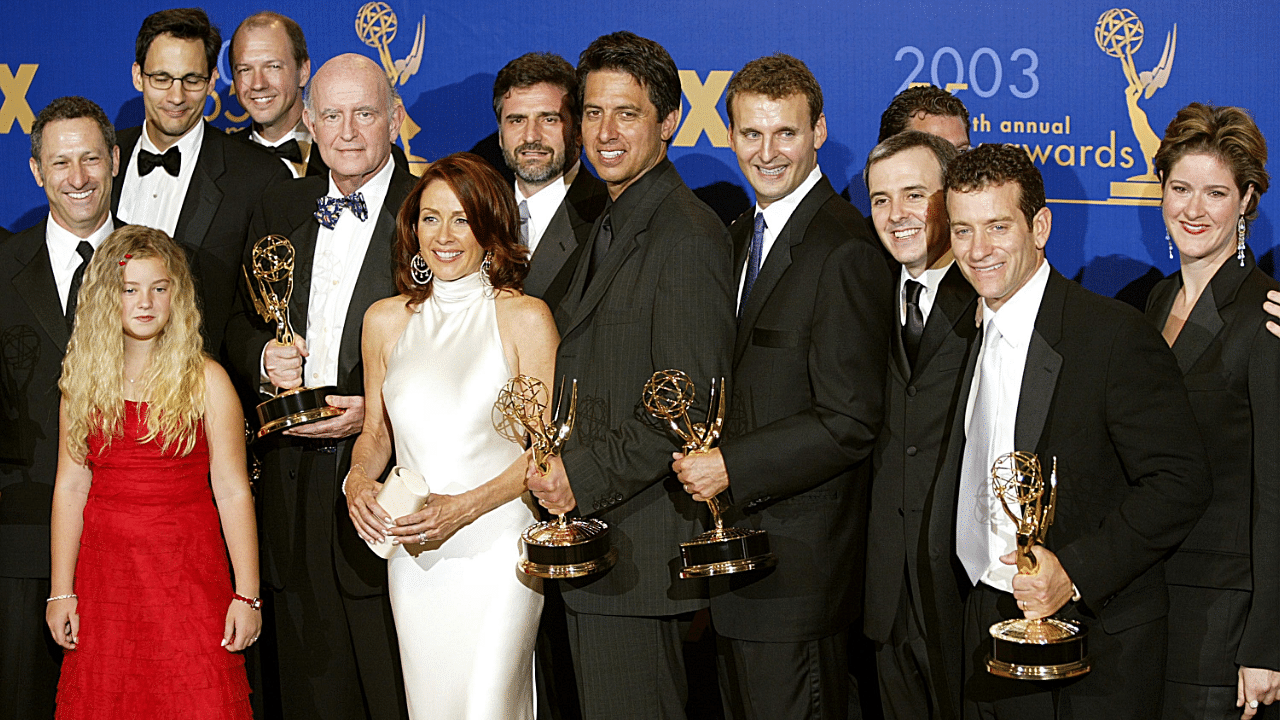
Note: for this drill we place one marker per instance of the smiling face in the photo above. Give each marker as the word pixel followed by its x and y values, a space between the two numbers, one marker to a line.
pixel 145 297
pixel 621 131
pixel 1201 206
pixel 172 113
pixel 445 239
pixel 996 250
pixel 537 134
pixel 947 127
pixel 354 122
pixel 75 170
pixel 268 80
pixel 776 144
pixel 908 208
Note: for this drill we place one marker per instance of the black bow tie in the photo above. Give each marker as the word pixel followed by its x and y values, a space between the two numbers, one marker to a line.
pixel 171 161
pixel 289 150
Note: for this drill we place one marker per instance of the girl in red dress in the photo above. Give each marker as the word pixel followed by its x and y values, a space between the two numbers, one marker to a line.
pixel 151 479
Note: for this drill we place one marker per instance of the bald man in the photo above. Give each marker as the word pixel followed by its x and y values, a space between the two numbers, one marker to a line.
pixel 337 645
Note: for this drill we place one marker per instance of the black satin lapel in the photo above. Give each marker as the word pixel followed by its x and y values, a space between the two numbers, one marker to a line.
pixel 1039 380
pixel 38 290
pixel 203 195
pixel 304 246
pixel 1198 332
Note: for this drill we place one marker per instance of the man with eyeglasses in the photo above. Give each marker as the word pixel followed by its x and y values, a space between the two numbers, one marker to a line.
pixel 183 176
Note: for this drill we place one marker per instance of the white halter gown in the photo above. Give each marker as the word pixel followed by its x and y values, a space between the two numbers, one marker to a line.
pixel 466 617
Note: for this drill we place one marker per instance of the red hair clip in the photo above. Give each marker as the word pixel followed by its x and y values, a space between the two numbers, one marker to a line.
pixel 127 258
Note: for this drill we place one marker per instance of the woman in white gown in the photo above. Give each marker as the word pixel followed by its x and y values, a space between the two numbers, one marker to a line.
pixel 435 358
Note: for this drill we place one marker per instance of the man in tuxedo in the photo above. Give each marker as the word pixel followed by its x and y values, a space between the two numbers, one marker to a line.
pixel 928 109
pixel 935 311
pixel 180 174
pixel 535 98
pixel 808 389
pixel 336 641
pixel 74 158
pixel 269 69
pixel 1089 386
pixel 651 291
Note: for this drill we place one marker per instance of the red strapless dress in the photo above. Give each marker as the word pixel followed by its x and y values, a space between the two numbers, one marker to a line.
pixel 154 586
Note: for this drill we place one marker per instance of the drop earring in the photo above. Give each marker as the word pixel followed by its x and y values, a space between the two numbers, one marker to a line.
pixel 419 270
pixel 1240 240
pixel 1170 241
pixel 487 264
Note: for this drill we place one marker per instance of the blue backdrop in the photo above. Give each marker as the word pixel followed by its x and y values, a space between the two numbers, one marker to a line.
pixel 1050 76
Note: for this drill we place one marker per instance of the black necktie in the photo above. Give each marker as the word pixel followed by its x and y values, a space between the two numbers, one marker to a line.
pixel 171 161
pixel 603 240
pixel 289 150
pixel 86 254
pixel 914 327
pixel 754 257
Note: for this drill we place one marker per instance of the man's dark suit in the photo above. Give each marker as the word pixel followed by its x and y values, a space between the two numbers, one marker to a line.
pixel 302 512
pixel 1100 392
pixel 225 189
pixel 807 403
pixel 556 257
pixel 315 163
pixel 33 339
pixel 659 300
pixel 920 404
pixel 1224 581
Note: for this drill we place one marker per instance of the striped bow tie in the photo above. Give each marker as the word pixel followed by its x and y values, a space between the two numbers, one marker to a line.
pixel 329 208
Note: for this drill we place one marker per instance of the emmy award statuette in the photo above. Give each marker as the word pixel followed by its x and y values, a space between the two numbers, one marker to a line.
pixel 273 269
pixel 1045 648
pixel 668 396
pixel 564 547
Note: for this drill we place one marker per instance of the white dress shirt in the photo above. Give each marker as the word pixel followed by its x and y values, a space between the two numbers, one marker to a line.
pixel 930 279
pixel 299 133
pixel 156 200
pixel 1016 320
pixel 544 204
pixel 775 218
pixel 338 259
pixel 63 257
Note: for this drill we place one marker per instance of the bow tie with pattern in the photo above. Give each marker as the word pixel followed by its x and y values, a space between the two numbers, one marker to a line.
pixel 329 208
pixel 171 161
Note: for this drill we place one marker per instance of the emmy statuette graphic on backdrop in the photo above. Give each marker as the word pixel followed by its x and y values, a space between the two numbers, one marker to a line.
pixel 376 26
pixel 564 547
pixel 720 551
pixel 273 259
pixel 1045 648
pixel 1119 33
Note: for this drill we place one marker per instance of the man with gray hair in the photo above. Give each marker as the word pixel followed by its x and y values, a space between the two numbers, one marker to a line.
pixel 337 649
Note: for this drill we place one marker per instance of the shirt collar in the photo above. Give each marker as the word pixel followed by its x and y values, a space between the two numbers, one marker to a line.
pixel 62 243
pixel 374 190
pixel 779 211
pixel 619 210
pixel 1016 318
pixel 299 133
pixel 188 145
pixel 930 278
pixel 548 199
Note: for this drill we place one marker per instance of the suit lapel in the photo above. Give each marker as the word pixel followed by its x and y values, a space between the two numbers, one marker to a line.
pixel 127 139
pixel 1205 322
pixel 304 248
pixel 200 204
pixel 557 244
pixel 35 285
pixel 1040 374
pixel 956 303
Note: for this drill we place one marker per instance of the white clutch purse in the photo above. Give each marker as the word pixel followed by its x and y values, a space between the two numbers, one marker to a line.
pixel 405 492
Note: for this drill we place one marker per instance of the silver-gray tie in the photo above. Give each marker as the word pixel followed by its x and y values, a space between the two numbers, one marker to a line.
pixel 973 506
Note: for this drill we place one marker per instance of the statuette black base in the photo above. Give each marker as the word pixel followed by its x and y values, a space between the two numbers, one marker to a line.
pixel 1045 649
pixel 296 407
pixel 725 551
pixel 566 548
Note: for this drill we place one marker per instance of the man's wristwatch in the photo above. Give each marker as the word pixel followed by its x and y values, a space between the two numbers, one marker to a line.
pixel 255 603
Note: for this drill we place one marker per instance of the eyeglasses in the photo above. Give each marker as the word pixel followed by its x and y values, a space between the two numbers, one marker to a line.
pixel 164 81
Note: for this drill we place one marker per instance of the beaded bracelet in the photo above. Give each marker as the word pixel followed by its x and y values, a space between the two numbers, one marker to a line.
pixel 72 596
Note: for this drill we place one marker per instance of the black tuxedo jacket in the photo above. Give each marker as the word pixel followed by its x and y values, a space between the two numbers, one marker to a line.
pixel 33 339
pixel 288 209
pixel 315 163
pixel 660 300
pixel 552 265
pixel 1102 393
pixel 808 392
pixel 225 189
pixel 920 404
pixel 1230 362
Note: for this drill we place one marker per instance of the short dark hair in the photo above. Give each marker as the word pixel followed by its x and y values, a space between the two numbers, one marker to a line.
pixel 1227 133
pixel 922 99
pixel 297 40
pixel 184 24
pixel 776 76
pixel 531 69
pixel 490 205
pixel 644 60
pixel 993 165
pixel 70 108
pixel 944 151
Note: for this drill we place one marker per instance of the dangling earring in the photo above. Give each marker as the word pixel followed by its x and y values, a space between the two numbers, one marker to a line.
pixel 419 270
pixel 1240 240
pixel 487 264
pixel 1170 241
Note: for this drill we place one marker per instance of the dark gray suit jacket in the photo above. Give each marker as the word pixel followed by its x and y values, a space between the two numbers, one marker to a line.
pixel 808 394
pixel 1231 365
pixel 553 262
pixel 229 180
pixel 288 209
pixel 660 300
pixel 1102 393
